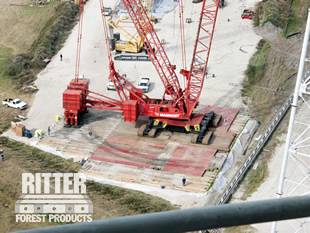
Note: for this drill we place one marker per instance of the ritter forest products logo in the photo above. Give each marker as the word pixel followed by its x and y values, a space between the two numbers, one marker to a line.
pixel 54 198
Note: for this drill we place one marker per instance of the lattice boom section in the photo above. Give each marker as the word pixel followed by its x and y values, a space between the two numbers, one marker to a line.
pixel 202 50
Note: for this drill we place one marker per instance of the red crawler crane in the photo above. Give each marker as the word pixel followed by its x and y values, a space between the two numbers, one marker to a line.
pixel 177 106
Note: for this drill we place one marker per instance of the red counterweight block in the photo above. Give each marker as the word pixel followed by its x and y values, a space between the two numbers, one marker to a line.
pixel 130 110
pixel 80 84
pixel 74 101
pixel 73 105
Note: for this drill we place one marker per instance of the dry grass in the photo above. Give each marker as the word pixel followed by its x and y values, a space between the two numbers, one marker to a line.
pixel 274 83
pixel 242 229
pixel 18 159
pixel 290 15
pixel 296 21
pixel 26 23
pixel 8 90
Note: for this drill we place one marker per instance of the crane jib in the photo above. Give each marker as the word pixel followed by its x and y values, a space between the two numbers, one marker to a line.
pixel 201 52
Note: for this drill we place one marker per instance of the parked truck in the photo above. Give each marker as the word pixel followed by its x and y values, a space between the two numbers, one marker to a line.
pixel 14 103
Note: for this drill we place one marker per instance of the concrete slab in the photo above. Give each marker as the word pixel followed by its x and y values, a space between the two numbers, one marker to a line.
pixel 190 160
pixel 124 147
pixel 228 115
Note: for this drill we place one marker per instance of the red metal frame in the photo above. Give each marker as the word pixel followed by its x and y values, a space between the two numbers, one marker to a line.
pixel 201 53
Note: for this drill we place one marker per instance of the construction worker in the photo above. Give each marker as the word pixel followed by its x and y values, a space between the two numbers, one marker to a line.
pixel 184 181
pixel 48 131
pixel 1 155
pixel 83 161
pixel 60 57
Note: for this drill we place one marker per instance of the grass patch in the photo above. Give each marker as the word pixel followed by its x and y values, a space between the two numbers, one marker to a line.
pixel 134 201
pixel 257 66
pixel 289 15
pixel 268 83
pixel 21 24
pixel 270 79
pixel 297 18
pixel 48 162
pixel 23 67
pixel 273 11
pixel 54 33
pixel 7 89
pixel 5 53
pixel 254 179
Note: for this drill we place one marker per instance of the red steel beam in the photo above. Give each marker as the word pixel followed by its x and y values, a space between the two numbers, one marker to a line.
pixel 201 53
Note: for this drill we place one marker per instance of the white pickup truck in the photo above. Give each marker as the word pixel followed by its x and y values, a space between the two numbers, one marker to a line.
pixel 144 84
pixel 111 87
pixel 14 103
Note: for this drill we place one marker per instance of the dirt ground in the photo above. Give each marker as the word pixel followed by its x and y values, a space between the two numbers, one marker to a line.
pixel 21 12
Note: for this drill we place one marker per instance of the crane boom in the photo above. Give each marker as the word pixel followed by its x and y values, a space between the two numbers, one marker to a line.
pixel 155 49
pixel 198 69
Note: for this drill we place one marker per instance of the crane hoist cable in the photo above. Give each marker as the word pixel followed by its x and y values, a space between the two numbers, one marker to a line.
pixel 182 32
pixel 79 40
pixel 174 36
pixel 105 29
pixel 113 75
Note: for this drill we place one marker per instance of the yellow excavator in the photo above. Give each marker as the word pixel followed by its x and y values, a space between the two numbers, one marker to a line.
pixel 132 44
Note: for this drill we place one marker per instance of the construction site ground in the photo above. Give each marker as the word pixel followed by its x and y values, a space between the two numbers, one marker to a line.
pixel 115 154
